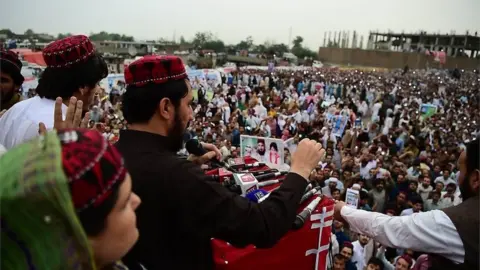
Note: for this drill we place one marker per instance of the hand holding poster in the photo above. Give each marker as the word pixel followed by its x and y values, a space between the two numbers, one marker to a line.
pixel 427 110
pixel 267 150
pixel 352 198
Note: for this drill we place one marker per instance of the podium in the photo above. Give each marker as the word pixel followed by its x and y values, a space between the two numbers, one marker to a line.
pixel 303 249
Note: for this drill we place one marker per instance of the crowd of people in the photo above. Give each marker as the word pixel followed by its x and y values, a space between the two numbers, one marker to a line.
pixel 399 154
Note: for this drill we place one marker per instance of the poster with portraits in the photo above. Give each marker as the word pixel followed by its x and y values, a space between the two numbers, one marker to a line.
pixel 290 148
pixel 427 110
pixel 267 150
pixel 339 122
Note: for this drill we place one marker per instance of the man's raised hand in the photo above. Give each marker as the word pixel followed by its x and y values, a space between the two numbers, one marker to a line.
pixel 73 118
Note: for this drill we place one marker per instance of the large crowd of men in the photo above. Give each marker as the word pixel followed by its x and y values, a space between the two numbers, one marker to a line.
pixel 401 157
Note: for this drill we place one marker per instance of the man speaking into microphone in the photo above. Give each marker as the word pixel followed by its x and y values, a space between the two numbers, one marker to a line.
pixel 181 211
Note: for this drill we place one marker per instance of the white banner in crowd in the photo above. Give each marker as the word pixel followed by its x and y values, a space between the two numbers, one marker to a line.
pixel 267 150
pixel 209 78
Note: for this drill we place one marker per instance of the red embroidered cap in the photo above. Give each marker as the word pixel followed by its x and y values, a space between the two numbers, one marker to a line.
pixel 156 69
pixel 92 165
pixel 10 58
pixel 68 51
pixel 7 56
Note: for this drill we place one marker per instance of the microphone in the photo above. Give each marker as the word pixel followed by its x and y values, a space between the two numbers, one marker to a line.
pixel 308 195
pixel 246 182
pixel 256 195
pixel 270 175
pixel 308 188
pixel 306 212
pixel 266 196
pixel 257 173
pixel 253 165
pixel 194 147
pixel 269 182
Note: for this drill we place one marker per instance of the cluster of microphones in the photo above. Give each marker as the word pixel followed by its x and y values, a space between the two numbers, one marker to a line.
pixel 248 180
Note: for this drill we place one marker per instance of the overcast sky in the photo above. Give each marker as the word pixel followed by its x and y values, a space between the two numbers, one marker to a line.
pixel 233 21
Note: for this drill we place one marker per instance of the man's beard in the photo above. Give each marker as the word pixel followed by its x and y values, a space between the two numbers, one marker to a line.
pixel 261 153
pixel 6 96
pixel 175 134
pixel 465 190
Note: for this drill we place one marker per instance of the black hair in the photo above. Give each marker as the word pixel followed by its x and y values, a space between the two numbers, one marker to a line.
pixel 94 219
pixel 64 82
pixel 340 257
pixel 472 156
pixel 12 70
pixel 377 262
pixel 141 102
pixel 274 145
pixel 363 195
pixel 416 199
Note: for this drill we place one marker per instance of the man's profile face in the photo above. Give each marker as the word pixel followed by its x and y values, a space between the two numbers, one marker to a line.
pixel 178 124
pixel 468 184
pixel 7 86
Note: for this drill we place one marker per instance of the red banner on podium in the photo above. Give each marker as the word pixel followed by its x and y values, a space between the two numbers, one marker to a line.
pixel 296 250
pixel 303 249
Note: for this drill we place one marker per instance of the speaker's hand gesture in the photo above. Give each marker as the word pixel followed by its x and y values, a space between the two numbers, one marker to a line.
pixel 73 118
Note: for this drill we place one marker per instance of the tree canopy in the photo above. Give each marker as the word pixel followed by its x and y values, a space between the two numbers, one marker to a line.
pixel 300 51
pixel 200 41
pixel 101 36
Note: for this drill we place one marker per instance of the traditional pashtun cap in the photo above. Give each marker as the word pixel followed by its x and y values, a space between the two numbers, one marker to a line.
pixel 44 184
pixel 68 51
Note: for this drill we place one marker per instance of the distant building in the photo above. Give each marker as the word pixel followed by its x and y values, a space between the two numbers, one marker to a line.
pixel 453 45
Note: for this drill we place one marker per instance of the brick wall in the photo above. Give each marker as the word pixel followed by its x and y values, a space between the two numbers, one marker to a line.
pixel 390 59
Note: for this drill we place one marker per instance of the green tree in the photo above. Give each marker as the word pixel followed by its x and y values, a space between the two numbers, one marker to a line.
pixel 246 44
pixel 300 51
pixel 101 36
pixel 61 36
pixel 215 45
pixel 297 42
pixel 201 38
pixel 7 32
pixel 29 32
pixel 182 40
pixel 260 48
pixel 278 49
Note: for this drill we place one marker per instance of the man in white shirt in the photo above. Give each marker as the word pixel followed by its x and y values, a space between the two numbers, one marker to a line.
pixel 424 188
pixel 452 234
pixel 417 206
pixel 359 251
pixel 74 70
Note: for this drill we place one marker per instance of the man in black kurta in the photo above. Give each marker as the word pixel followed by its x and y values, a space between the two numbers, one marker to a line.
pixel 182 209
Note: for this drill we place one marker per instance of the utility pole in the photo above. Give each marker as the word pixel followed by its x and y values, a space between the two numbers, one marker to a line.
pixel 290 39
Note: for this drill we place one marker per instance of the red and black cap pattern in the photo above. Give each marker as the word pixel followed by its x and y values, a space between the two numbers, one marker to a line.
pixel 68 51
pixel 92 166
pixel 156 69
pixel 7 56
pixel 10 58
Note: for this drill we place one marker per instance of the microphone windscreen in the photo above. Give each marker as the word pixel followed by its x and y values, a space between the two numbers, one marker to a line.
pixel 256 195
pixel 194 147
pixel 300 219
